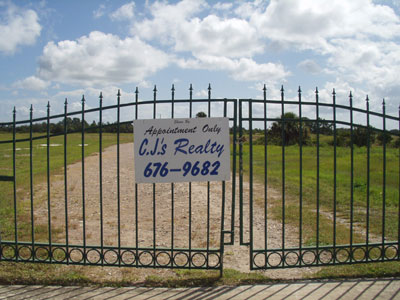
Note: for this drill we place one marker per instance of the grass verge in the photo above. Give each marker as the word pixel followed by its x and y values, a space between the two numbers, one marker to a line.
pixel 41 274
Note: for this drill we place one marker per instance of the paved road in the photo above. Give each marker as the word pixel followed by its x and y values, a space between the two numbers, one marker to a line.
pixel 350 289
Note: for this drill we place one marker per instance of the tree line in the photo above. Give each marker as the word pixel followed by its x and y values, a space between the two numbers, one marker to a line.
pixel 73 125
pixel 290 131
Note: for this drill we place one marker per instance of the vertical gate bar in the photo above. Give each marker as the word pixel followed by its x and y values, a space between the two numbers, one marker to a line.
pixel 118 175
pixel 351 177
pixel 190 185
pixel 190 100
pixel 368 177
pixel 31 179
pixel 209 100
pixel 83 180
pixel 222 241
pixel 384 181
pixel 221 252
pixel 172 184
pixel 48 180
pixel 251 180
pixel 208 186
pixel 241 171
pixel 318 204
pixel 283 169
pixel 334 172
pixel 224 185
pixel 15 185
pixel 101 176
pixel 136 189
pixel 398 218
pixel 234 173
pixel 66 181
pixel 154 185
pixel 222 237
pixel 301 178
pixel 265 175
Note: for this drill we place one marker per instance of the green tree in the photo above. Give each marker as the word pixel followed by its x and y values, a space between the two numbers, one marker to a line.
pixel 384 138
pixel 291 131
pixel 396 143
pixel 322 127
pixel 361 135
pixel 201 114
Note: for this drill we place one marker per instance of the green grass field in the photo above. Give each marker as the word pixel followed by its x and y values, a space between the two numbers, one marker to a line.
pixel 326 187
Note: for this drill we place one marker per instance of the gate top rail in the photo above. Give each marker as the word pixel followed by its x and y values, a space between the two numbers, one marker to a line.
pixel 114 106
pixel 118 105
pixel 282 101
pixel 324 104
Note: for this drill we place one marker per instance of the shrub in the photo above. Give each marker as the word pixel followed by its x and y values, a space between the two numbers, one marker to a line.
pixel 291 131
pixel 360 137
pixel 384 138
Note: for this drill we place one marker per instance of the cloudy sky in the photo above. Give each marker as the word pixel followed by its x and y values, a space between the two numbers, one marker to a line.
pixel 50 50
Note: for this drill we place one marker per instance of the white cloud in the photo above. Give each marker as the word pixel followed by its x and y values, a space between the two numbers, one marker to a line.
pixel 202 93
pixel 18 27
pixel 358 40
pixel 215 36
pixel 163 26
pixel 223 6
pixel 310 24
pixel 99 12
pixel 211 35
pixel 92 94
pixel 367 62
pixel 310 66
pixel 125 12
pixel 100 59
pixel 32 83
pixel 243 69
pixel 248 70
pixel 214 42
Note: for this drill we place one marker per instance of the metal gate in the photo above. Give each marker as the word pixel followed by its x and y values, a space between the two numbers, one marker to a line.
pixel 311 192
pixel 321 191
pixel 87 210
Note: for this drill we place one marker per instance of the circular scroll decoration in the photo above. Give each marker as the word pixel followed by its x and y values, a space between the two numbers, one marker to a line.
pixel 163 258
pixel 128 257
pixel 146 258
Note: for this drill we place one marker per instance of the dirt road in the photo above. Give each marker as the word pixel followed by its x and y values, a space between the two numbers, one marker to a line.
pixel 189 214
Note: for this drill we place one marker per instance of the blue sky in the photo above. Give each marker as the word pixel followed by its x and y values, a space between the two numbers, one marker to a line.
pixel 50 50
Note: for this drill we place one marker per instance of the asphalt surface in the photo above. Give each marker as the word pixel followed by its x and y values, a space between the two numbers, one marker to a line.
pixel 388 288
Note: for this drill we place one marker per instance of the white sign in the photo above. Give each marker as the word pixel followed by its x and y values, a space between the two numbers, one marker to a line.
pixel 178 150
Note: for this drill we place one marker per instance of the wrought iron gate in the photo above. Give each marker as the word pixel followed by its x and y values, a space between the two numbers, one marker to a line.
pixel 311 191
pixel 334 202
pixel 113 222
